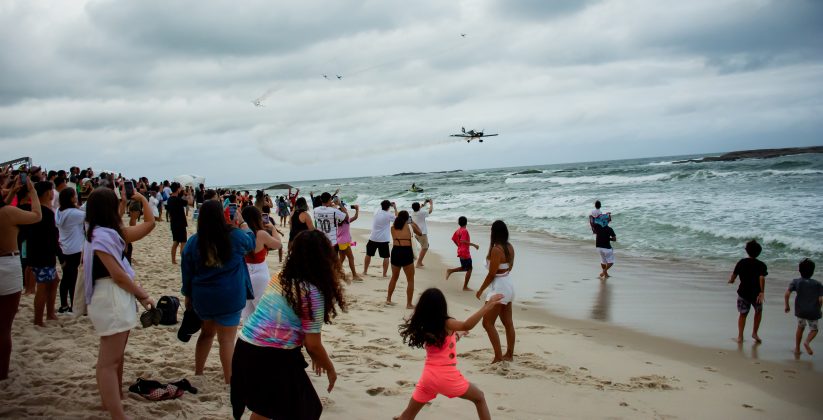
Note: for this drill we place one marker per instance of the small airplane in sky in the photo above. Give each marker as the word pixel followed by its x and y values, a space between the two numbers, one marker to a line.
pixel 339 77
pixel 472 135
pixel 326 76
pixel 258 103
pixel 463 35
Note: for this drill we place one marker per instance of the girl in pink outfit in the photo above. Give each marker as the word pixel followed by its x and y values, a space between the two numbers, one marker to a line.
pixel 431 327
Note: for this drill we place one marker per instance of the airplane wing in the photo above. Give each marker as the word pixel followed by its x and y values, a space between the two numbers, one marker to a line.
pixel 488 135
pixel 459 135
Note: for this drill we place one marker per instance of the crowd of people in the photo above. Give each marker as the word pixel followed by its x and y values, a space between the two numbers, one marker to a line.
pixel 262 322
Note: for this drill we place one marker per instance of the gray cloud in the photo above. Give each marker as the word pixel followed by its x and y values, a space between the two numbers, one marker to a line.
pixel 166 88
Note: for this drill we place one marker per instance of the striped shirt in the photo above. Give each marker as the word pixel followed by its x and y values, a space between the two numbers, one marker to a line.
pixel 275 324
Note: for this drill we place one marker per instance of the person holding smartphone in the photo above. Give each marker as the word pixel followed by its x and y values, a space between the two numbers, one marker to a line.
pixel 11 270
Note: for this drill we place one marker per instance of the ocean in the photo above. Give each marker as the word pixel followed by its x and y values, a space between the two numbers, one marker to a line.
pixel 701 212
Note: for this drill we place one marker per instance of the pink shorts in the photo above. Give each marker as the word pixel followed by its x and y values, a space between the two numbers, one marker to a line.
pixel 445 380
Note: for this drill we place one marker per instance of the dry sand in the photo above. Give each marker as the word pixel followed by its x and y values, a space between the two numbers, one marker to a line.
pixel 563 368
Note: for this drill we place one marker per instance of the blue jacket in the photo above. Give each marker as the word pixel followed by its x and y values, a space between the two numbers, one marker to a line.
pixel 217 291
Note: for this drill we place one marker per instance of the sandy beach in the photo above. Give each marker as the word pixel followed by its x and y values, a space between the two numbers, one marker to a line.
pixel 563 367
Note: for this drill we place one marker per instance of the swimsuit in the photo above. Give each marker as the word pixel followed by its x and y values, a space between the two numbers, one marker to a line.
pixel 440 374
pixel 402 255
pixel 502 284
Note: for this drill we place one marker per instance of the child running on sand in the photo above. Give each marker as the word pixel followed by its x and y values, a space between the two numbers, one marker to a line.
pixel 752 274
pixel 431 327
pixel 806 304
pixel 462 239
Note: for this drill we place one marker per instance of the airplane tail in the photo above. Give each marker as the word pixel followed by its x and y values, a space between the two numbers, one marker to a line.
pixel 463 129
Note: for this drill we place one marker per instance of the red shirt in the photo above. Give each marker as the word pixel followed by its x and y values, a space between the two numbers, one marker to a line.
pixel 462 234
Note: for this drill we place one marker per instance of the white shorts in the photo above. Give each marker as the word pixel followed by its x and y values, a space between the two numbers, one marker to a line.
pixel 11 275
pixel 112 310
pixel 502 285
pixel 260 277
pixel 606 255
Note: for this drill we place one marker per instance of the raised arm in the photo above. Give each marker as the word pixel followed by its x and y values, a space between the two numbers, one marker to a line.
pixel 416 229
pixel 431 206
pixel 22 217
pixel 138 232
pixel 272 241
pixel 356 208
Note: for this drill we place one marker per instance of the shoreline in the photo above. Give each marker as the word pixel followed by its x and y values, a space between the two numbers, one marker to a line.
pixel 645 295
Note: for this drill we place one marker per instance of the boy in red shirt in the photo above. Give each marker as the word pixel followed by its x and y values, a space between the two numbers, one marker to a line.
pixel 462 239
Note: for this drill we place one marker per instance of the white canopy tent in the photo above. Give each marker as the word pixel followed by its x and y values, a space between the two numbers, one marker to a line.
pixel 190 180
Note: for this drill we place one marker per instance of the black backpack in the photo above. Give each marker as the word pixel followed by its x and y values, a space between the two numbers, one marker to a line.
pixel 169 305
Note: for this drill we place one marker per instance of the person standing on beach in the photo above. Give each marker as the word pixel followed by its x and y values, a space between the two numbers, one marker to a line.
pixel 806 304
pixel 752 274
pixel 326 219
pixel 176 211
pixel 603 242
pixel 293 198
pixel 300 220
pixel 498 281
pixel 462 239
pixel 110 290
pixel 402 255
pixel 42 247
pixel 71 225
pixel 256 260
pixel 419 217
pixel 268 368
pixel 344 240
pixel 380 236
pixel 11 270
pixel 216 283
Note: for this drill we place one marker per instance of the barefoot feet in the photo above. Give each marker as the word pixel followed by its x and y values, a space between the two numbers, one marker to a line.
pixel 808 348
pixel 757 338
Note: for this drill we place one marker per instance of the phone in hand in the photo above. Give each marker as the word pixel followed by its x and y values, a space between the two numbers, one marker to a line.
pixel 266 218
pixel 23 179
pixel 129 189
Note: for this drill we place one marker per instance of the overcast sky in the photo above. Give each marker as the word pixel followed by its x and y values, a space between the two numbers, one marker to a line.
pixel 162 88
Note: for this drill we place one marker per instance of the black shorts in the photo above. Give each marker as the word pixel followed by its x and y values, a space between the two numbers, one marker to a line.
pixel 373 246
pixel 179 234
pixel 465 264
pixel 402 256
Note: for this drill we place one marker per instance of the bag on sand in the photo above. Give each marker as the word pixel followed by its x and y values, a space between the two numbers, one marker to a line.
pixel 169 305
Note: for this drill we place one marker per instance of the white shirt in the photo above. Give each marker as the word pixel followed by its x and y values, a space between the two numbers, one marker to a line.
pixel 153 202
pixel 419 218
pixel 70 224
pixel 380 227
pixel 596 213
pixel 326 220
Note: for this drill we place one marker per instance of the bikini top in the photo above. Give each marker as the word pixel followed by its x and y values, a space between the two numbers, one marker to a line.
pixel 502 266
pixel 257 257
pixel 397 240
pixel 445 355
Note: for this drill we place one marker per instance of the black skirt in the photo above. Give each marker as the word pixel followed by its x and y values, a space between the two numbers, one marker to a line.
pixel 272 382
pixel 402 256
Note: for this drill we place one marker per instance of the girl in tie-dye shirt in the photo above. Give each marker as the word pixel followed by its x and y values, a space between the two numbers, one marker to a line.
pixel 268 368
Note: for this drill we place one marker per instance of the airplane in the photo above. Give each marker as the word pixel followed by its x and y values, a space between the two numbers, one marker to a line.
pixel 463 35
pixel 339 77
pixel 258 103
pixel 472 135
pixel 325 76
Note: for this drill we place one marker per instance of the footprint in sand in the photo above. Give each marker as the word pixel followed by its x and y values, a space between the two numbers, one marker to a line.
pixel 709 368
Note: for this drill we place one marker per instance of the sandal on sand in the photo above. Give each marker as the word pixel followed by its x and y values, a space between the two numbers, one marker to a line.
pixel 185 385
pixel 151 317
pixel 151 390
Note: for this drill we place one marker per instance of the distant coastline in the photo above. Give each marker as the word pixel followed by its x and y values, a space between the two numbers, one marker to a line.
pixel 756 154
